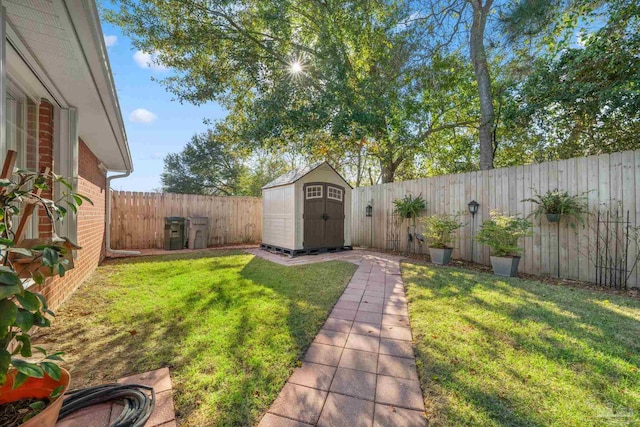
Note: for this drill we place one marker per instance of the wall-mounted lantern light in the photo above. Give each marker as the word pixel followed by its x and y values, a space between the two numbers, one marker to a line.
pixel 369 210
pixel 473 207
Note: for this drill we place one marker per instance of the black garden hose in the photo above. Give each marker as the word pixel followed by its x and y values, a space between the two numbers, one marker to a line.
pixel 138 406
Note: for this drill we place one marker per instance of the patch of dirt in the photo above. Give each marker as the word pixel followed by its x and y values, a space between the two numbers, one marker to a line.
pixel 12 413
pixel 423 259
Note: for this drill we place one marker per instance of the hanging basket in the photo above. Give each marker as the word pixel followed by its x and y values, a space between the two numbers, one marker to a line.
pixel 553 217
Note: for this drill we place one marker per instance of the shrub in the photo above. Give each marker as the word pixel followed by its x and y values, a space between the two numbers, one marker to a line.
pixel 559 203
pixel 501 234
pixel 21 308
pixel 409 206
pixel 438 229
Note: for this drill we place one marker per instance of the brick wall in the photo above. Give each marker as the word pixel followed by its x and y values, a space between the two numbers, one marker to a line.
pixel 45 152
pixel 91 218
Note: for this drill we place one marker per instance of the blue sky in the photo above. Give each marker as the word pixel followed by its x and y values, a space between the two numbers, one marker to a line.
pixel 155 124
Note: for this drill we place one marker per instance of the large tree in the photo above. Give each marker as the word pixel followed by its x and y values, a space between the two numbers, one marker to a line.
pixel 576 88
pixel 208 164
pixel 301 73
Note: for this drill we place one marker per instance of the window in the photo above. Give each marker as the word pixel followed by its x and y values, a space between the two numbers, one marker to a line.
pixel 314 192
pixel 334 193
pixel 22 136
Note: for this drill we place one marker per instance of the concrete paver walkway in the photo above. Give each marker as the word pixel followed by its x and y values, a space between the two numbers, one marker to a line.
pixel 360 370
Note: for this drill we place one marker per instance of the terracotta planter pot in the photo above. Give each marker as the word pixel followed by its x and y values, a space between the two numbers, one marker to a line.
pixel 36 388
pixel 505 266
pixel 440 256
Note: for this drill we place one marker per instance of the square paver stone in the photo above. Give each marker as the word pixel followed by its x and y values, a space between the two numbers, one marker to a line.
pixel 395 320
pixel 363 343
pixel 396 347
pixel 399 392
pixel 350 297
pixel 299 403
pixel 370 307
pixel 339 313
pixel 346 411
pixel 395 332
pixel 374 294
pixel 331 338
pixel 367 329
pixel 323 354
pixel 400 367
pixel 390 416
pixel 270 420
pixel 359 360
pixel 339 325
pixel 354 383
pixel 373 300
pixel 313 375
pixel 366 316
pixel 347 305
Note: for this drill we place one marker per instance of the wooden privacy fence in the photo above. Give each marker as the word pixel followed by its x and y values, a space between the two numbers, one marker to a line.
pixel 610 181
pixel 137 219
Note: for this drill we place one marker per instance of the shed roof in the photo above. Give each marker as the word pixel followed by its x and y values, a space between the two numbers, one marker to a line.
pixel 294 175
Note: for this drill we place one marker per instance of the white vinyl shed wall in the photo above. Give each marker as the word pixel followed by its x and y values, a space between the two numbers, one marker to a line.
pixel 278 216
pixel 283 209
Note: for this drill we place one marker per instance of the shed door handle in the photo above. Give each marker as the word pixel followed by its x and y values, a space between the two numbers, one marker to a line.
pixel 325 216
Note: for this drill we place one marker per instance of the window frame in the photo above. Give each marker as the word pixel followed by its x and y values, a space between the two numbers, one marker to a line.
pixel 316 194
pixel 337 190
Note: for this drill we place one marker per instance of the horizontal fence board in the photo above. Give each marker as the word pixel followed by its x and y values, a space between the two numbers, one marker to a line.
pixel 607 180
pixel 137 219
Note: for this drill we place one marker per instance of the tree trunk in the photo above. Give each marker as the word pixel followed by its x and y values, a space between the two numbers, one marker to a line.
pixel 481 71
pixel 388 168
pixel 388 171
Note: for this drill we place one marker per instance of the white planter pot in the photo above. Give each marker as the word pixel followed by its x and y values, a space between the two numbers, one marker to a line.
pixel 440 256
pixel 505 266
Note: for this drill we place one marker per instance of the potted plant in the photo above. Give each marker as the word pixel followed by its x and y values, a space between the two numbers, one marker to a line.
pixel 30 386
pixel 438 232
pixel 409 206
pixel 501 234
pixel 555 204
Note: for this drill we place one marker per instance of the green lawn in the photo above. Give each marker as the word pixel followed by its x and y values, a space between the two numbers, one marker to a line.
pixel 230 327
pixel 510 352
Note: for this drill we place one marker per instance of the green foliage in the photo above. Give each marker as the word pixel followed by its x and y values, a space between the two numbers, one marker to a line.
pixel 209 164
pixel 384 95
pixel 501 234
pixel 409 206
pixel 20 308
pixel 438 229
pixel 578 93
pixel 364 75
pixel 561 203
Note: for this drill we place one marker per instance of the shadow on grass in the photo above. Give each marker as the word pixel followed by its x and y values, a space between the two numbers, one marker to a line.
pixel 511 352
pixel 231 327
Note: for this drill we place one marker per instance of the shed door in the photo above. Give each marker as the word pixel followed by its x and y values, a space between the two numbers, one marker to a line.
pixel 323 216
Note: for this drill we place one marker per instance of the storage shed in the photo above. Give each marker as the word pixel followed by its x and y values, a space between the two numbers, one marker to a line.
pixel 307 211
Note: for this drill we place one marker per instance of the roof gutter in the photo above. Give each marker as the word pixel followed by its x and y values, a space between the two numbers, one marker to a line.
pixel 108 209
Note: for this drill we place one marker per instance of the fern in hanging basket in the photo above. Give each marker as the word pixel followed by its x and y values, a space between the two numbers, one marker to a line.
pixel 409 206
pixel 556 204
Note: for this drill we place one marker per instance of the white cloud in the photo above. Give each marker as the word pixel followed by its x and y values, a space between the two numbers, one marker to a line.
pixel 140 115
pixel 110 40
pixel 148 60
